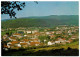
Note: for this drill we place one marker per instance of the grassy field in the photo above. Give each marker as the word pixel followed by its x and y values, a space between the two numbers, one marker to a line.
pixel 74 45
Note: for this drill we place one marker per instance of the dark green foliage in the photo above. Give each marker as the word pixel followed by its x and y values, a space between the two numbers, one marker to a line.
pixel 47 21
pixel 8 7
pixel 56 52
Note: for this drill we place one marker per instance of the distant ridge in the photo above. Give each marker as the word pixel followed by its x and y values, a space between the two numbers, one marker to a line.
pixel 42 21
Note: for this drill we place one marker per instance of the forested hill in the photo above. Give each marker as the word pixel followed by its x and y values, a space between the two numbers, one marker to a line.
pixel 44 21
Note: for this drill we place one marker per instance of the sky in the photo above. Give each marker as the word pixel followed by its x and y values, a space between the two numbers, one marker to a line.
pixel 46 8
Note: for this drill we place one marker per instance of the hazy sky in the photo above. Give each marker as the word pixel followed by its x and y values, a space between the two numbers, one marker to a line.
pixel 47 8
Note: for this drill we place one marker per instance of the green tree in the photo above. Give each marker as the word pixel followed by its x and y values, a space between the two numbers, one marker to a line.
pixel 8 7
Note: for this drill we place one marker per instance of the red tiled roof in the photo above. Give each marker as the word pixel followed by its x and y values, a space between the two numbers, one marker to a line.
pixel 70 40
pixel 33 43
pixel 64 39
pixel 58 38
pixel 52 35
pixel 36 39
pixel 12 37
pixel 74 36
pixel 23 43
pixel 15 42
pixel 25 40
pixel 16 34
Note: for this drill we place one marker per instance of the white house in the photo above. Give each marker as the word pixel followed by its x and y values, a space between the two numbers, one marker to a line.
pixel 5 36
pixel 18 45
pixel 25 35
pixel 8 44
pixel 60 40
pixel 45 40
pixel 57 41
pixel 53 32
pixel 51 43
pixel 12 38
pixel 74 37
pixel 47 33
pixel 28 31
pixel 34 31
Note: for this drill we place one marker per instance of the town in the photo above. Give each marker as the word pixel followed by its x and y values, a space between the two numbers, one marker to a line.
pixel 15 38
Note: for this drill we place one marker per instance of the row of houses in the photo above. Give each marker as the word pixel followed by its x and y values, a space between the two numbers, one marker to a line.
pixel 59 41
pixel 23 43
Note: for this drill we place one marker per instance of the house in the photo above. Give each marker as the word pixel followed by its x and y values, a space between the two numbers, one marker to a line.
pixel 5 36
pixel 57 28
pixel 47 33
pixel 15 42
pixel 18 45
pixel 25 35
pixel 25 40
pixel 52 32
pixel 34 43
pixel 35 40
pixel 58 32
pixel 12 38
pixel 8 44
pixel 29 32
pixel 51 43
pixel 57 42
pixel 69 41
pixel 69 31
pixel 74 37
pixel 24 45
pixel 36 34
pixel 45 40
pixel 52 36
pixel 34 31
pixel 42 33
pixel 62 40
pixel 16 34
pixel 30 35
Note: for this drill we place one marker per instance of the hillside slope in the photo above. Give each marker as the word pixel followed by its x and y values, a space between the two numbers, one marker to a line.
pixel 45 21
